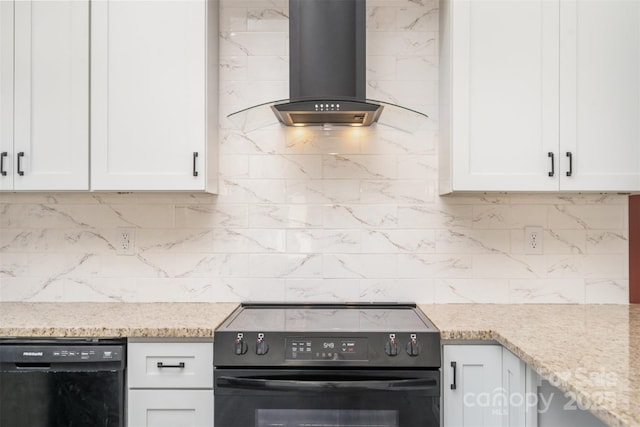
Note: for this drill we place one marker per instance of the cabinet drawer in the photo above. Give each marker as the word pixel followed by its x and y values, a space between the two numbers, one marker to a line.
pixel 170 365
pixel 170 408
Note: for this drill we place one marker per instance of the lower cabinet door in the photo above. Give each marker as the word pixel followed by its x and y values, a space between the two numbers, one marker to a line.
pixel 170 408
pixel 472 386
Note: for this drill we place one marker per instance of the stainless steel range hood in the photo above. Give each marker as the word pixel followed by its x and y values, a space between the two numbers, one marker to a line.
pixel 327 65
pixel 327 69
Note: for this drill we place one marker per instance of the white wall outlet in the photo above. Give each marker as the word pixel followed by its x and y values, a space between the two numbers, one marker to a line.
pixel 533 240
pixel 125 244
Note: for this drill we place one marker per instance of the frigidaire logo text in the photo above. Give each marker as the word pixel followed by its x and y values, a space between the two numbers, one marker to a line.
pixel 32 353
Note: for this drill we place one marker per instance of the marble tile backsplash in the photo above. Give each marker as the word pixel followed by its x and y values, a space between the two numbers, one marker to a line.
pixel 313 215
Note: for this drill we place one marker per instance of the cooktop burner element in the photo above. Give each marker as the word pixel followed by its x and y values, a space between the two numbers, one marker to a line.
pixel 362 335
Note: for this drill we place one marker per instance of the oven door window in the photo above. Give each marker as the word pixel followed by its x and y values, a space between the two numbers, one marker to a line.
pixel 270 398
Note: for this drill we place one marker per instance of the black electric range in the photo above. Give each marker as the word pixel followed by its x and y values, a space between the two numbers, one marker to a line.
pixel 292 365
pixel 367 335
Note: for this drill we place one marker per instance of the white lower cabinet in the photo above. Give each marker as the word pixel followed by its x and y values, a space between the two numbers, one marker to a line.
pixel 487 385
pixel 170 408
pixel 170 383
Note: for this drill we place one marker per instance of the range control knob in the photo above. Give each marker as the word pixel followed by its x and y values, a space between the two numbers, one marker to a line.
pixel 261 346
pixel 413 348
pixel 391 346
pixel 240 346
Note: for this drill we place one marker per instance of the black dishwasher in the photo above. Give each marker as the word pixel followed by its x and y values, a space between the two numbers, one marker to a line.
pixel 62 382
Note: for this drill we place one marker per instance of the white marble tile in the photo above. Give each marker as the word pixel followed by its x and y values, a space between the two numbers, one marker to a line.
pixel 215 215
pixel 324 290
pixel 547 291
pixel 402 241
pixel 285 216
pixel 381 67
pixel 285 265
pixel 171 240
pixel 249 289
pixel 448 291
pixel 413 18
pixel 397 290
pixel 381 18
pixel 232 18
pixel 424 167
pixel 599 217
pixel 360 216
pixel 401 92
pixel 417 68
pixel 471 241
pixel 417 266
pixel 234 166
pixel 509 266
pixel 252 190
pixel 505 217
pixel 360 266
pixel 402 43
pixel 285 167
pixel 270 17
pixel 266 68
pixel 238 240
pixel 606 291
pixel 321 191
pixel 359 167
pixel 435 216
pixel 402 192
pixel 343 241
pixel 253 43
pixel 607 242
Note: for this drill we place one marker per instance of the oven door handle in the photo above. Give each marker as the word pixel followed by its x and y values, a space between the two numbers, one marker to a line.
pixel 420 384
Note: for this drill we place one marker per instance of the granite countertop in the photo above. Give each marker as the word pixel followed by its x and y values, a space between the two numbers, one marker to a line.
pixel 592 351
pixel 166 320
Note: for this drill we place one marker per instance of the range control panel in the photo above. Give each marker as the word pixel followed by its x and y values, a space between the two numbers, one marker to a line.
pixel 326 349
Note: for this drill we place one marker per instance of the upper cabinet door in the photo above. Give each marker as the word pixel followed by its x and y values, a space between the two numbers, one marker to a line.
pixel 6 95
pixel 600 95
pixel 51 103
pixel 504 94
pixel 148 102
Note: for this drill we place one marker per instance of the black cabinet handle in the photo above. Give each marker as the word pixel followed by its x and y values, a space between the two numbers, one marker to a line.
pixel 454 386
pixel 553 164
pixel 162 365
pixel 570 156
pixel 195 156
pixel 2 156
pixel 20 156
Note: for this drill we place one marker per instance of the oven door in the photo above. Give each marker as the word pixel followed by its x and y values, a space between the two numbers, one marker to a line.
pixel 329 398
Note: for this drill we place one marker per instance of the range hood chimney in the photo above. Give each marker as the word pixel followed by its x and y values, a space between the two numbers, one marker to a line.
pixel 327 65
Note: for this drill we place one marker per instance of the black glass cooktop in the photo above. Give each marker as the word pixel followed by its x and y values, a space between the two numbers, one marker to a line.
pixel 328 318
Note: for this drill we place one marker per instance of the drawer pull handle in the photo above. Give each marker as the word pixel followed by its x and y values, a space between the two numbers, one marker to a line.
pixel 454 385
pixel 20 156
pixel 553 168
pixel 570 156
pixel 195 156
pixel 2 156
pixel 162 365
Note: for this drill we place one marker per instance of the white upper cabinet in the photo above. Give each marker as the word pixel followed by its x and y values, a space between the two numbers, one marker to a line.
pixel 523 83
pixel 44 105
pixel 600 95
pixel 153 125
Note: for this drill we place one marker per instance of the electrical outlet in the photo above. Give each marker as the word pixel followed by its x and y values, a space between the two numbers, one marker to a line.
pixel 125 241
pixel 533 240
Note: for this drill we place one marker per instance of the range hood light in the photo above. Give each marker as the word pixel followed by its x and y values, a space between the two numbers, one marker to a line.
pixel 327 126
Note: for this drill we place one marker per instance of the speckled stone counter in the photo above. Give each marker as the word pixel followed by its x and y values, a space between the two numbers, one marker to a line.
pixel 166 320
pixel 592 351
